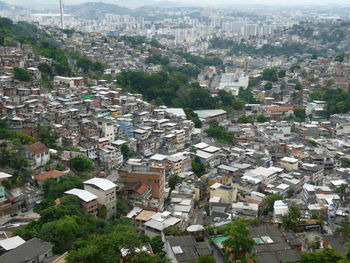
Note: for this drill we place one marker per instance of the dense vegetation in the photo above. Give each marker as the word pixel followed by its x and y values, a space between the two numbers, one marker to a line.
pixel 286 49
pixel 220 134
pixel 21 74
pixel 338 100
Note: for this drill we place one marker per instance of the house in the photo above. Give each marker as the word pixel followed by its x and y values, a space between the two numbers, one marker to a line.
pixel 34 250
pixel 55 174
pixel 137 193
pixel 10 243
pixel 227 193
pixel 158 222
pixel 88 201
pixel 105 191
pixel 37 154
pixel 181 249
pixel 289 163
pixel 152 176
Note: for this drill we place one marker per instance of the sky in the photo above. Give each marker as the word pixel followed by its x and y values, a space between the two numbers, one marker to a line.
pixel 213 3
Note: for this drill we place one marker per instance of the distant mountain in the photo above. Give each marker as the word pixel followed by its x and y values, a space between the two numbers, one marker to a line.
pixel 6 6
pixel 92 10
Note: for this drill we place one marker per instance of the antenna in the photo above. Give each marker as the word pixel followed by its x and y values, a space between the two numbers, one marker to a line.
pixel 61 11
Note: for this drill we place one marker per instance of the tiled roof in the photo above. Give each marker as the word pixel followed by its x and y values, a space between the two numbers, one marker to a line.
pixel 138 187
pixel 37 148
pixel 51 174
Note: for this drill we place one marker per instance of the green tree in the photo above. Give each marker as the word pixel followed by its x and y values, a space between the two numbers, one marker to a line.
pixel 269 202
pixel 157 244
pixel 62 233
pixel 281 73
pixel 268 86
pixel 197 167
pixel 300 114
pixel 220 134
pixel 173 181
pixel 53 189
pixel 191 115
pixel 21 74
pixel 327 255
pixel 239 244
pixel 121 208
pixel 107 248
pixel 81 163
pixel 245 119
pixel 292 219
pixel 345 162
pixel 270 74
pixel 46 135
pixel 125 151
pixel 342 190
pixel 102 212
pixel 261 118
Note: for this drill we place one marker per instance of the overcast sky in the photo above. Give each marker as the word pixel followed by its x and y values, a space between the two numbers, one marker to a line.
pixel 213 3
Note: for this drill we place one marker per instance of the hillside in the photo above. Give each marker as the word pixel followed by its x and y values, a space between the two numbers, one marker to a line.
pixel 92 10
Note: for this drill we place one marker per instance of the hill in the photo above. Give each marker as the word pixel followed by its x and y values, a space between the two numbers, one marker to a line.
pixel 92 10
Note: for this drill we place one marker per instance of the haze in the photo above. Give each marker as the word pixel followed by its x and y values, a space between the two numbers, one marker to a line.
pixel 211 3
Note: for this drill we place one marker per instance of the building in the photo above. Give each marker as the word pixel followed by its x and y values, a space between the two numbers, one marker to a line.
pixel 10 243
pixel 181 249
pixel 289 163
pixel 137 193
pixel 88 201
pixel 54 174
pixel 105 191
pixel 33 251
pixel 152 176
pixel 37 154
pixel 227 193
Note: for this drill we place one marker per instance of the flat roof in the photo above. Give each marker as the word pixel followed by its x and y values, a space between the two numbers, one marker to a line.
pixel 209 113
pixel 12 242
pixel 84 195
pixel 101 183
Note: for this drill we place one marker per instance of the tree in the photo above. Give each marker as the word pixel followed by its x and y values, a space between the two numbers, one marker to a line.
pixel 125 151
pixel 281 73
pixel 173 181
pixel 121 208
pixel 300 114
pixel 107 248
pixel 102 212
pixel 239 244
pixel 81 163
pixel 345 162
pixel 341 190
pixel 62 233
pixel 245 119
pixel 191 115
pixel 261 118
pixel 268 86
pixel 21 74
pixel 53 189
pixel 292 219
pixel 270 201
pixel 197 167
pixel 312 143
pixel 46 135
pixel 157 244
pixel 220 134
pixel 327 255
pixel 269 74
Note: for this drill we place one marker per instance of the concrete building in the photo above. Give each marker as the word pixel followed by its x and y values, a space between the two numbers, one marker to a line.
pixel 88 201
pixel 105 191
